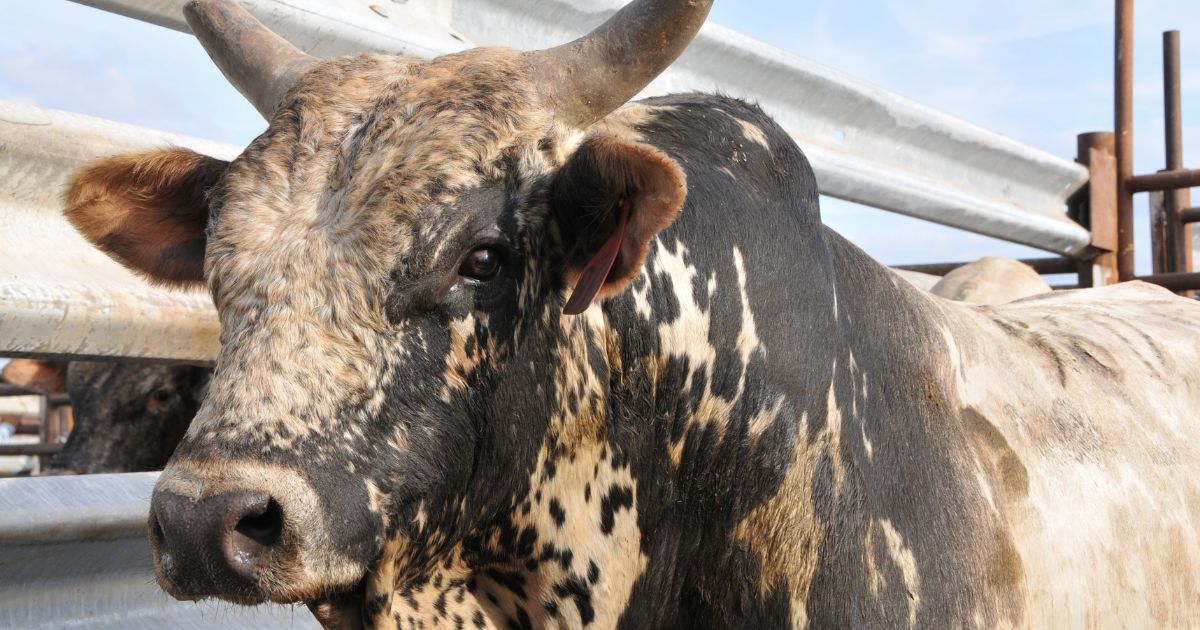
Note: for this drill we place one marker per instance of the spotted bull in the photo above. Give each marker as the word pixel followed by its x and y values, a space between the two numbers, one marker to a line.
pixel 501 350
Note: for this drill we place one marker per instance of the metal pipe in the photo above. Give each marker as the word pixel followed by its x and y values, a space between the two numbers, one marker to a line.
pixel 1166 180
pixel 8 389
pixel 1178 241
pixel 43 434
pixel 1056 264
pixel 1123 108
pixel 1159 241
pixel 1171 101
pixel 1174 281
pixel 1189 215
pixel 39 448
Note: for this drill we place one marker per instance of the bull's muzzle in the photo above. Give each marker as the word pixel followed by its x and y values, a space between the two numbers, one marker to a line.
pixel 251 532
pixel 215 545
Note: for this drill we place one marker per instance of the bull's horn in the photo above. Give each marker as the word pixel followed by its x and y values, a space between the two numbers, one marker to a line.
pixel 590 77
pixel 260 64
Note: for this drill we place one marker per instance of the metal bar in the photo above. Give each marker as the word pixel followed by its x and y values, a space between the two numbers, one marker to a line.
pixel 1057 264
pixel 1096 151
pixel 43 437
pixel 26 426
pixel 1123 109
pixel 56 398
pixel 1159 250
pixel 1183 281
pixel 75 555
pixel 866 144
pixel 1166 180
pixel 8 389
pixel 37 448
pixel 1189 215
pixel 65 508
pixel 1178 236
pixel 59 296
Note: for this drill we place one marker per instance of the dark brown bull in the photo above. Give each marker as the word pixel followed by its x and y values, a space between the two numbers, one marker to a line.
pixel 129 416
pixel 755 426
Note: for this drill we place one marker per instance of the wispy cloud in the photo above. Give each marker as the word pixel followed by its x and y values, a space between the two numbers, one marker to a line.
pixel 965 30
pixel 67 56
pixel 59 78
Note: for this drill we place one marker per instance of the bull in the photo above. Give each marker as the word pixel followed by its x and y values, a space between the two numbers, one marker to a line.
pixel 128 416
pixel 991 280
pixel 502 350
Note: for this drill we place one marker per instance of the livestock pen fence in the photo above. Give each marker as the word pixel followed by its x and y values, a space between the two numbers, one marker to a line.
pixel 73 548
pixel 1105 205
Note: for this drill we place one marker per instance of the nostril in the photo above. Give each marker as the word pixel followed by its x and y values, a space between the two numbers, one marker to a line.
pixel 159 535
pixel 263 528
pixel 218 544
pixel 253 537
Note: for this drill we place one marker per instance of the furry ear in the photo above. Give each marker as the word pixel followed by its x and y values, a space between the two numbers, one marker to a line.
pixel 610 199
pixel 148 211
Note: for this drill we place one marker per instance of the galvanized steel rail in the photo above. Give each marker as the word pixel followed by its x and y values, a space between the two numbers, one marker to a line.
pixel 59 296
pixel 866 144
pixel 73 554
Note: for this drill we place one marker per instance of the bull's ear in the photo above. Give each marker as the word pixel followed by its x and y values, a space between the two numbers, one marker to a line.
pixel 148 211
pixel 610 200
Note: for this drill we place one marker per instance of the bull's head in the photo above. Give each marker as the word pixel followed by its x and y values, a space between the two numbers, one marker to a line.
pixel 391 261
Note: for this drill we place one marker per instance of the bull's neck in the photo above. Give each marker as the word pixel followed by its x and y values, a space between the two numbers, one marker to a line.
pixel 737 384
pixel 693 420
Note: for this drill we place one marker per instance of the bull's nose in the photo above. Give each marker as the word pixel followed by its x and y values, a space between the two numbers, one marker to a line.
pixel 213 546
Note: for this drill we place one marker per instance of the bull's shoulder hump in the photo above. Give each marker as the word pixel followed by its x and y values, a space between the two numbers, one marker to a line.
pixel 692 117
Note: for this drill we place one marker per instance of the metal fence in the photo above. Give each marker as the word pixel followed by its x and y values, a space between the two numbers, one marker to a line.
pixel 73 554
pixel 58 294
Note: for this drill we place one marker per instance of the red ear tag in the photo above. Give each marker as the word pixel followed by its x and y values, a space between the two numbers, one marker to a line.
pixel 596 271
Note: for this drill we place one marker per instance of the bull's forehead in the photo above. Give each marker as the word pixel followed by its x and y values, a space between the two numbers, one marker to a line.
pixel 363 163
pixel 360 178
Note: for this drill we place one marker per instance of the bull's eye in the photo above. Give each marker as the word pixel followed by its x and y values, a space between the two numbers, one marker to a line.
pixel 483 263
pixel 158 398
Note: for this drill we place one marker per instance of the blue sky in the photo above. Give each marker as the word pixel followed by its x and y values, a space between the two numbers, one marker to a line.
pixel 1037 71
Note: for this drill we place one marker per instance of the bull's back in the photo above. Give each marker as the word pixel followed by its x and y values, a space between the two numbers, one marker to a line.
pixel 1082 407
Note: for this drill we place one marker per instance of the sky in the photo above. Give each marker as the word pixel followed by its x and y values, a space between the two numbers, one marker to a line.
pixel 1039 72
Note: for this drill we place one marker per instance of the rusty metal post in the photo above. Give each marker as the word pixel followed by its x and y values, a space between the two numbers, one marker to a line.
pixel 1123 84
pixel 1160 233
pixel 1179 235
pixel 1096 151
pixel 43 432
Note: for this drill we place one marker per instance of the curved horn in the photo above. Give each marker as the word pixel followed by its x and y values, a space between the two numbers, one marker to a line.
pixel 597 73
pixel 260 64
